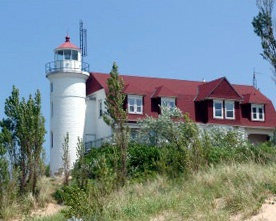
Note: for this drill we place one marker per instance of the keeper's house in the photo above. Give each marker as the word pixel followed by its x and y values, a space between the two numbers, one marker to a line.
pixel 217 102
pixel 77 103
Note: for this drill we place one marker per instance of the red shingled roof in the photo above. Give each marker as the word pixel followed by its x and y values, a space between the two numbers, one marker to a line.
pixel 163 91
pixel 67 44
pixel 251 94
pixel 186 93
pixel 219 88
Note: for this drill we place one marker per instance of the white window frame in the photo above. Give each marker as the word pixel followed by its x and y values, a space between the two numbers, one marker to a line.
pixel 230 110
pixel 168 101
pixel 258 113
pixel 214 109
pixel 134 107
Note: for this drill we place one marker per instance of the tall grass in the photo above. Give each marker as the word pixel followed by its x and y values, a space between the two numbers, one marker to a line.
pixel 215 194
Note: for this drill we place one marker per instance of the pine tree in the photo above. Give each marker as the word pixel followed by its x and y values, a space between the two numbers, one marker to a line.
pixel 116 117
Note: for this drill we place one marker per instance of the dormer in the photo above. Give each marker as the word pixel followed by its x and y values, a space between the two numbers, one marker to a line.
pixel 217 100
pixel 163 96
pixel 255 102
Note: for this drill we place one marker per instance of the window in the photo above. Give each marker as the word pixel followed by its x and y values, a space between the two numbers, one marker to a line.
pixel 169 102
pixel 59 55
pixel 100 108
pixel 135 104
pixel 257 112
pixel 218 109
pixel 229 110
pixel 52 139
pixel 52 109
pixel 66 55
pixel 75 55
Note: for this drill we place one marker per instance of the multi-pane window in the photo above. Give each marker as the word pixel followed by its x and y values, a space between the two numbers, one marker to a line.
pixel 135 104
pixel 169 102
pixel 218 109
pixel 67 55
pixel 229 110
pixel 257 112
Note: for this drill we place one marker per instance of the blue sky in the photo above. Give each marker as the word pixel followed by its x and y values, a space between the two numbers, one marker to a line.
pixel 178 39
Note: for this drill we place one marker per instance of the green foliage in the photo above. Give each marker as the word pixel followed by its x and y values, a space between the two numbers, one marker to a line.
pixel 66 159
pixel 23 133
pixel 78 202
pixel 81 168
pixel 115 98
pixel 116 117
pixel 263 27
pixel 142 160
pixel 87 203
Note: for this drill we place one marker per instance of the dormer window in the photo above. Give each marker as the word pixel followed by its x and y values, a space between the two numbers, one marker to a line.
pixel 229 110
pixel 218 109
pixel 168 102
pixel 257 112
pixel 135 104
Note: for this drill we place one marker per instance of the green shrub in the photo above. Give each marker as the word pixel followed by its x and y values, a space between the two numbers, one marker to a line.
pixel 77 201
pixel 142 160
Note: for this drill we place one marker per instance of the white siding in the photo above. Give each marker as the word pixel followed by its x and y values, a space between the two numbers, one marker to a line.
pixel 94 123
pixel 68 98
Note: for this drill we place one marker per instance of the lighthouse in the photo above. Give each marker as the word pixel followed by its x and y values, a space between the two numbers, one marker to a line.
pixel 67 75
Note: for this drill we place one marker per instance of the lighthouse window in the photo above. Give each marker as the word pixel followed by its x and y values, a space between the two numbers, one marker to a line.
pixel 75 55
pixel 52 140
pixel 67 54
pixel 59 55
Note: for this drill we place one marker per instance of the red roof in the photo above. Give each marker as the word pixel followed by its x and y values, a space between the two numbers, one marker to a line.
pixel 132 89
pixel 251 94
pixel 163 91
pixel 186 94
pixel 67 44
pixel 219 88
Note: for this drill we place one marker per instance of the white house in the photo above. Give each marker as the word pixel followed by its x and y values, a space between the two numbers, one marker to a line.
pixel 77 103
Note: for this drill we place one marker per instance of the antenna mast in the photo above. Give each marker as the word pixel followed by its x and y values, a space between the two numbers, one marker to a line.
pixel 254 79
pixel 83 40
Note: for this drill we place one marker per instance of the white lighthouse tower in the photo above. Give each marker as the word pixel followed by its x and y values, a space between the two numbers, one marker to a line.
pixel 67 75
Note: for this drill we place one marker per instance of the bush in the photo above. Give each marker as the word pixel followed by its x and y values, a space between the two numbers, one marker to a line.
pixel 142 160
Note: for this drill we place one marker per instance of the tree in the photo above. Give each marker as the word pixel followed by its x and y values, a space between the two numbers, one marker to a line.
pixel 23 132
pixel 66 159
pixel 180 133
pixel 4 172
pixel 263 27
pixel 116 117
pixel 81 168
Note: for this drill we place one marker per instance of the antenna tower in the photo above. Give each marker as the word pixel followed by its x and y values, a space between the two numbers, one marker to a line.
pixel 83 40
pixel 254 79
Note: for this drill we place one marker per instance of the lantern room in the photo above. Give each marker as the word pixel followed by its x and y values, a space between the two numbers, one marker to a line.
pixel 68 57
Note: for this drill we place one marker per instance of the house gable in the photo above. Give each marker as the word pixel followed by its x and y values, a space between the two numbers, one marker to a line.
pixel 217 89
pixel 192 97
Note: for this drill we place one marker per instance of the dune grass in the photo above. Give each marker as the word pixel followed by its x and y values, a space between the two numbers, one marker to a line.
pixel 215 194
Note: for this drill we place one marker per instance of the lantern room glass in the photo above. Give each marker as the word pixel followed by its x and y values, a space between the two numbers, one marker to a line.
pixel 66 54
